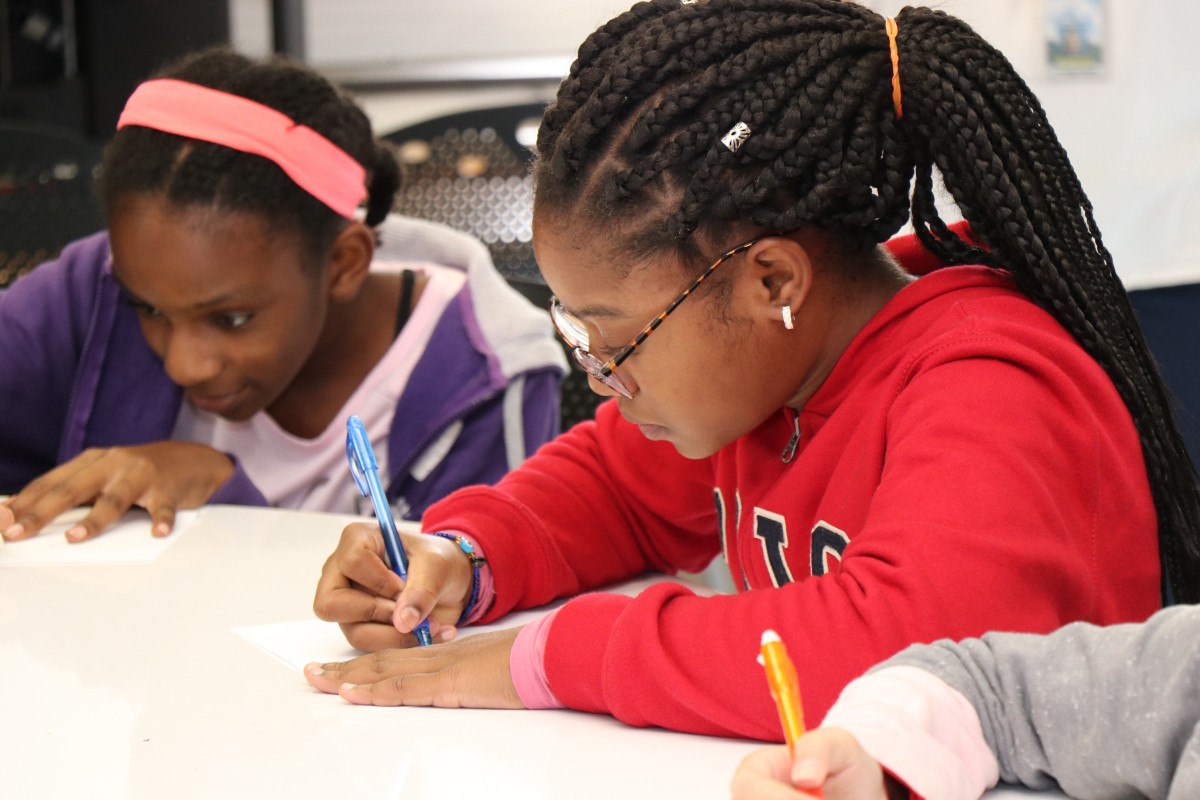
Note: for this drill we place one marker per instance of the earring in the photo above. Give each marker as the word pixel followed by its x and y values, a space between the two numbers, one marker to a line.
pixel 789 322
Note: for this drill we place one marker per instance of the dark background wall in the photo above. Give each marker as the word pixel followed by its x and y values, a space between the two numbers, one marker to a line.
pixel 1170 318
pixel 72 63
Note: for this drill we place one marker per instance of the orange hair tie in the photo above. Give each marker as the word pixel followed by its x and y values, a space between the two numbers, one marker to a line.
pixel 892 30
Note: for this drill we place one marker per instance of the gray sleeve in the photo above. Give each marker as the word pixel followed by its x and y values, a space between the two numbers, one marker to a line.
pixel 1098 711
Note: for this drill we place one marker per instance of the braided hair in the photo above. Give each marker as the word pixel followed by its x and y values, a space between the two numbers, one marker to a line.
pixel 633 142
pixel 188 172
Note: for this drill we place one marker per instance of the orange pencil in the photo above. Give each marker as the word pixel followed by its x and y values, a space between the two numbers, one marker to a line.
pixel 785 689
pixel 784 685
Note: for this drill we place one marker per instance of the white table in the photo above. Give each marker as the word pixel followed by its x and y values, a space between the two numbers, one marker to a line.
pixel 128 681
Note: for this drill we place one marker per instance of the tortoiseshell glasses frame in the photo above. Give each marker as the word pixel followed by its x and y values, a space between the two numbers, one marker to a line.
pixel 574 332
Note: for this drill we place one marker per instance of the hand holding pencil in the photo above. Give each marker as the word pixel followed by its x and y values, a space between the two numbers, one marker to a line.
pixel 784 684
pixel 828 763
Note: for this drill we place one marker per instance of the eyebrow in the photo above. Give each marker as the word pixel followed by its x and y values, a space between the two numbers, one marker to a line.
pixel 203 305
pixel 596 312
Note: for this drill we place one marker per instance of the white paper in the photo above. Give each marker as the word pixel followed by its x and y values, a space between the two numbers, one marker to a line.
pixel 305 641
pixel 128 541
pixel 301 642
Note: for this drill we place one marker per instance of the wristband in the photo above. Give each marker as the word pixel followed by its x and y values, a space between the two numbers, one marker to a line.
pixel 477 562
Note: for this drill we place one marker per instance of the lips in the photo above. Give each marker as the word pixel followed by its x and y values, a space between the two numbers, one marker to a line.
pixel 215 403
pixel 652 432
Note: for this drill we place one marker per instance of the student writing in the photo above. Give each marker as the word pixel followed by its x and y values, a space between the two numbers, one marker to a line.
pixel 880 460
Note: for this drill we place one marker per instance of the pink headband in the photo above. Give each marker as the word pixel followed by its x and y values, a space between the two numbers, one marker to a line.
pixel 317 165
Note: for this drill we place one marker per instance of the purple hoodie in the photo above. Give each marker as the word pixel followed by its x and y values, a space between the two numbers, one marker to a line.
pixel 76 372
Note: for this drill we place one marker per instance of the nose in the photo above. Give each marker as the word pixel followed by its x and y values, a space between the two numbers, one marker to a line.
pixel 188 359
pixel 604 390
pixel 601 388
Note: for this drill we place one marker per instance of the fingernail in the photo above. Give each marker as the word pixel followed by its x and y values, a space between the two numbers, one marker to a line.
pixel 314 669
pixel 77 534
pixel 347 687
pixel 15 532
pixel 162 529
pixel 409 617
pixel 807 771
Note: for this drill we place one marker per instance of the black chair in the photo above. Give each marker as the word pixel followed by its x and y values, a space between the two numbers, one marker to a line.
pixel 471 171
pixel 47 196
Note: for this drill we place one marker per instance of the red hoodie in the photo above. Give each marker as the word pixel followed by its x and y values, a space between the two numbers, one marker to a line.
pixel 965 467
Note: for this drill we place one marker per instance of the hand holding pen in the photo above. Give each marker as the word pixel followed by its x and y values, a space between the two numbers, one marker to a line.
pixel 365 471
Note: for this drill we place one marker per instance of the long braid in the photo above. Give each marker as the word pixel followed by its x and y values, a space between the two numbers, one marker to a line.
pixel 995 148
pixel 190 173
pixel 634 141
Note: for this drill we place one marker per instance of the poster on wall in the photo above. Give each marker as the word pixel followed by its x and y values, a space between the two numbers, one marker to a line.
pixel 1075 36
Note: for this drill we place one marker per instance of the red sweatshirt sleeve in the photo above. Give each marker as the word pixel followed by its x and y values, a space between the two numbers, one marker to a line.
pixel 596 506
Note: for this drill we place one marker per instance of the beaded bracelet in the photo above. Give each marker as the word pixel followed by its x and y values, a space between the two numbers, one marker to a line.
pixel 477 562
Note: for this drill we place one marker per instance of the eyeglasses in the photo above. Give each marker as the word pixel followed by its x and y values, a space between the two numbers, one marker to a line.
pixel 574 332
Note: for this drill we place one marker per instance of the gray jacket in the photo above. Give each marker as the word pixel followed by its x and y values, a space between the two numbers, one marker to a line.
pixel 1100 712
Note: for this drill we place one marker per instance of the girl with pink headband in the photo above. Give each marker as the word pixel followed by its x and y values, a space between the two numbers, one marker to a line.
pixel 251 292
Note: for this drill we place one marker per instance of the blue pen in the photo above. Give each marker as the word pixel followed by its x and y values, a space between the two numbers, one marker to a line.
pixel 365 470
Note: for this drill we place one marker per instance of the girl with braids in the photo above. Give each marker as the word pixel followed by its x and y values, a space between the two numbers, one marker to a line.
pixel 210 345
pixel 881 460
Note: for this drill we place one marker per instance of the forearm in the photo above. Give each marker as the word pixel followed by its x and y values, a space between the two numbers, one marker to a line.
pixel 694 655
pixel 43 324
pixel 572 519
pixel 238 489
pixel 923 732
pixel 1101 711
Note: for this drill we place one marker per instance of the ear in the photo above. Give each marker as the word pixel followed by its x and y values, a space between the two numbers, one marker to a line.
pixel 783 276
pixel 350 261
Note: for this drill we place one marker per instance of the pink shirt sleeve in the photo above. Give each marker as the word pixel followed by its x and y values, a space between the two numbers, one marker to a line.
pixel 526 662
pixel 919 729
pixel 527 665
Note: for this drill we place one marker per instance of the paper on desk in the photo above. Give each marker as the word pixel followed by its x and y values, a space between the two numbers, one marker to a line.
pixel 128 541
pixel 301 642
pixel 304 641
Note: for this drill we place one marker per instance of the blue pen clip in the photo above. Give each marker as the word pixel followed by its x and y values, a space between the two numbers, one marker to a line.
pixel 365 471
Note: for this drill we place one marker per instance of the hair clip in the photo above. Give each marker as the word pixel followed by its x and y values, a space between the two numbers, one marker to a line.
pixel 688 2
pixel 736 137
